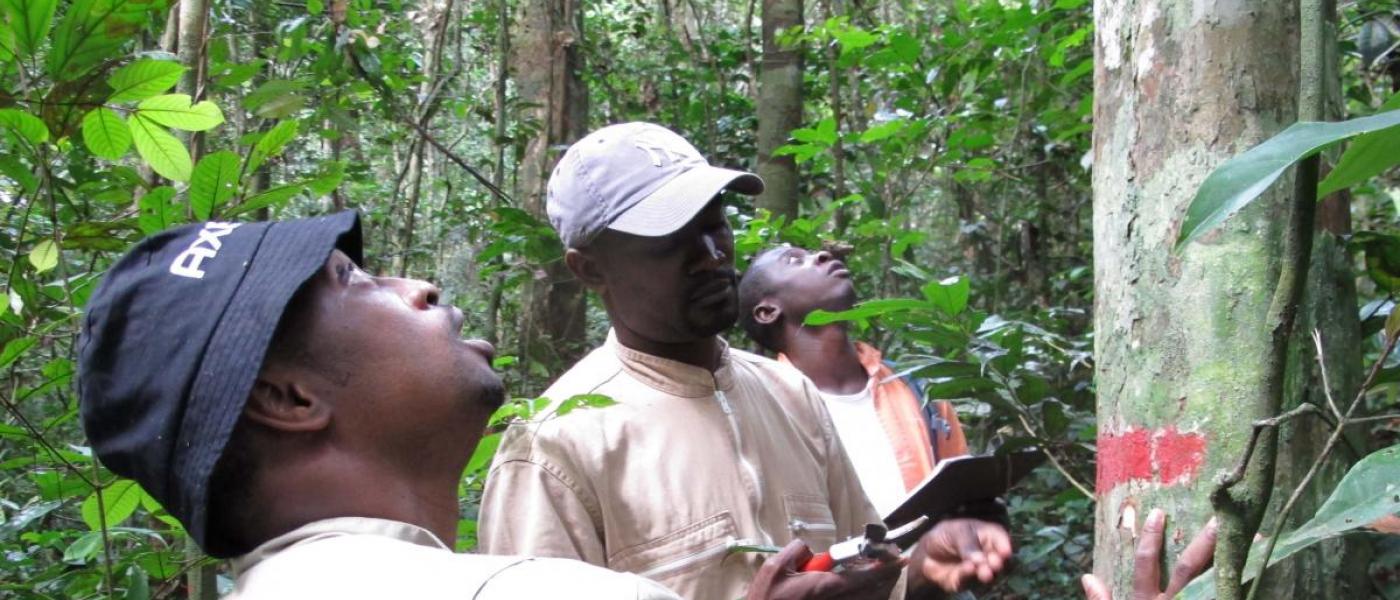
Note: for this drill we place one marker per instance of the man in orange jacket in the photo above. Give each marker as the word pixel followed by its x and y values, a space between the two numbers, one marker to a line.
pixel 892 438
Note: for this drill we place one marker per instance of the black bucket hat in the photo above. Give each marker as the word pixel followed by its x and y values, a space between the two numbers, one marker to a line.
pixel 173 340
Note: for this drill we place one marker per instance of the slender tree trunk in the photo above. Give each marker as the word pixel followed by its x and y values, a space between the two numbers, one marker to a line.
pixel 1182 343
pixel 549 70
pixel 432 67
pixel 779 106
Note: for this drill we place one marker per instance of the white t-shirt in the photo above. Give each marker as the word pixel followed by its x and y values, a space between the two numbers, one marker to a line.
pixel 868 446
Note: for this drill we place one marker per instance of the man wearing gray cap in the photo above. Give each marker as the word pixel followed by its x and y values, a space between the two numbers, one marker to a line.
pixel 708 448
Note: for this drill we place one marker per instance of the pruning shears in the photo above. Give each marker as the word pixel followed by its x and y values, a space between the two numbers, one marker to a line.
pixel 878 543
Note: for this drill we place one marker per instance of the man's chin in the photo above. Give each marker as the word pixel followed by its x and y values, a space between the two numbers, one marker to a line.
pixel 717 321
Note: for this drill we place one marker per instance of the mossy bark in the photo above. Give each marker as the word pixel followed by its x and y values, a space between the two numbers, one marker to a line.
pixel 1181 338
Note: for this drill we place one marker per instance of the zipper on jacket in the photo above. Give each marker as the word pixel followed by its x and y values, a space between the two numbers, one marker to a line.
pixel 692 558
pixel 799 526
pixel 744 463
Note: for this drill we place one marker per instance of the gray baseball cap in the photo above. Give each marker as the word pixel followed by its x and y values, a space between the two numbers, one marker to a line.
pixel 637 178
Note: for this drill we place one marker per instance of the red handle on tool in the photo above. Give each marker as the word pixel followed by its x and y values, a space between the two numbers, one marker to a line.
pixel 820 562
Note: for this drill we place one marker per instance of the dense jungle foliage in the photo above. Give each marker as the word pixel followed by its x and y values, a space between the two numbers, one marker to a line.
pixel 944 149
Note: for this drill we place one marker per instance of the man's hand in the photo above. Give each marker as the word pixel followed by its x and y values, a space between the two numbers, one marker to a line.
pixel 779 578
pixel 1147 563
pixel 957 552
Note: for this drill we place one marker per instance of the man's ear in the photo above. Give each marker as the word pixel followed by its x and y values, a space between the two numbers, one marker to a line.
pixel 585 267
pixel 767 312
pixel 282 401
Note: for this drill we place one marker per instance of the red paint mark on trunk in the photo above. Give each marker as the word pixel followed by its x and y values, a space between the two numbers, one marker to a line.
pixel 1166 456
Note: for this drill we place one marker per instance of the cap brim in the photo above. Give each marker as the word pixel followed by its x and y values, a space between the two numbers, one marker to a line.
pixel 677 201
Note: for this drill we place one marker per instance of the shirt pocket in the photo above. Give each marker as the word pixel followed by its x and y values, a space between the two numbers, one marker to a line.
pixel 681 552
pixel 810 520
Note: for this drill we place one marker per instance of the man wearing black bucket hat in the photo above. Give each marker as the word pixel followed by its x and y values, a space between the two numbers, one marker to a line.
pixel 306 417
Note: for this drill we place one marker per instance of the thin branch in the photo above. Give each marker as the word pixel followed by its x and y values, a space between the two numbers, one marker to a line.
pixel 1322 366
pixel 1317 464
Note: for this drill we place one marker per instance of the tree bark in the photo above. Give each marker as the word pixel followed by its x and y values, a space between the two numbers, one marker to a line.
pixel 549 71
pixel 1335 569
pixel 779 106
pixel 1181 341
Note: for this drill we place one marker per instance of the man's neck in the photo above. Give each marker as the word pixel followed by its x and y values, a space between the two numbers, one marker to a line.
pixel 827 356
pixel 704 353
pixel 326 493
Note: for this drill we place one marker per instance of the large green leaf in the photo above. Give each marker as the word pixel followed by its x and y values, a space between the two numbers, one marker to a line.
pixel 270 198
pixel 158 213
pixel 29 20
pixel 175 110
pixel 949 295
pixel 865 310
pixel 93 31
pixel 162 151
pixel 44 256
pixel 143 79
pixel 119 501
pixel 215 180
pixel 1369 491
pixel 105 134
pixel 24 125
pixel 271 143
pixel 1237 182
pixel 1367 156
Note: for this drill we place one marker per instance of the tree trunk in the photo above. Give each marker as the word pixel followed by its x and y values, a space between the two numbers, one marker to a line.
pixel 432 62
pixel 549 71
pixel 1335 569
pixel 1181 341
pixel 779 106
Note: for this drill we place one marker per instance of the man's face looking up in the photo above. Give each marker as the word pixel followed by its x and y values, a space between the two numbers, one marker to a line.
pixel 802 281
pixel 671 289
pixel 391 361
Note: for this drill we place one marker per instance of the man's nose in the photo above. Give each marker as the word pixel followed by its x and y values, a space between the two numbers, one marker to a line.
pixel 822 257
pixel 714 249
pixel 418 294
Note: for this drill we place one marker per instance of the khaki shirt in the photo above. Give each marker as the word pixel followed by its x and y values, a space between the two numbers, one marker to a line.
pixel 357 557
pixel 685 467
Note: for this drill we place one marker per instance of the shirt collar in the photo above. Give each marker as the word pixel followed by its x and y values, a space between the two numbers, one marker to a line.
pixel 672 376
pixel 339 526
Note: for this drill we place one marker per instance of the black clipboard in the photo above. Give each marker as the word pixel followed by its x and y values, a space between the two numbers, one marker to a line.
pixel 963 480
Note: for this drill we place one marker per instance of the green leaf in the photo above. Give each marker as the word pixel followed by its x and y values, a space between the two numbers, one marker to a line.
pixel 84 548
pixel 275 99
pixel 138 584
pixel 271 143
pixel 332 173
pixel 29 514
pixel 482 455
pixel 1237 182
pixel 29 20
pixel 16 348
pixel 175 110
pixel 94 31
pixel 158 213
pixel 272 197
pixel 166 155
pixel 1369 491
pixel 949 295
pixel 214 182
pixel 883 130
pixel 143 79
pixel 105 134
pixel 25 125
pixel 119 501
pixel 44 256
pixel 237 75
pixel 314 7
pixel 865 310
pixel 20 173
pixel 1367 156
pixel 853 38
